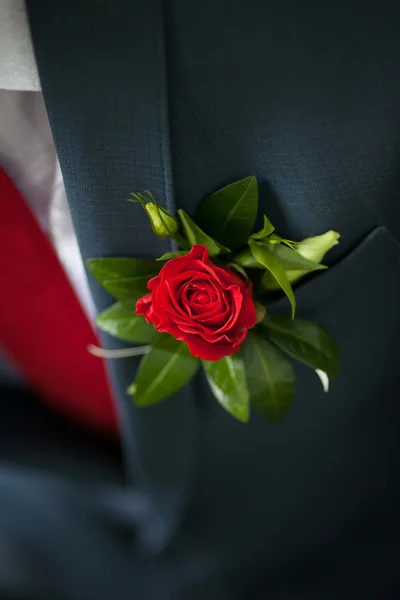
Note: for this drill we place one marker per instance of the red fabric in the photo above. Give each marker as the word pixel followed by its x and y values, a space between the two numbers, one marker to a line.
pixel 43 327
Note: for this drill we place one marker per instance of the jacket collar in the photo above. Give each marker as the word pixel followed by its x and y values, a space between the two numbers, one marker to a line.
pixel 103 74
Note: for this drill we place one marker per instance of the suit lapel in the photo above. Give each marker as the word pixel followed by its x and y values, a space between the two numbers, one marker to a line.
pixel 104 81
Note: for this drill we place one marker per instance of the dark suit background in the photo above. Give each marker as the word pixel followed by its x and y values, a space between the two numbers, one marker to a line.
pixel 182 98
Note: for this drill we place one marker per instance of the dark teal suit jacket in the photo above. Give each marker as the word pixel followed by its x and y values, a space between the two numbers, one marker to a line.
pixel 181 98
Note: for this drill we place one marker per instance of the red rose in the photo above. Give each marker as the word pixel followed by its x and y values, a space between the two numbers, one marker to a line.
pixel 208 307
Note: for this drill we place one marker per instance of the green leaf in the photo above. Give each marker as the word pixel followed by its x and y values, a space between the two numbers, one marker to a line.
pixel 305 341
pixel 294 263
pixel 267 229
pixel 229 214
pixel 272 263
pixel 166 368
pixel 227 380
pixel 270 378
pixel 128 288
pixel 169 255
pixel 246 259
pixel 123 278
pixel 293 260
pixel 121 321
pixel 114 268
pixel 195 235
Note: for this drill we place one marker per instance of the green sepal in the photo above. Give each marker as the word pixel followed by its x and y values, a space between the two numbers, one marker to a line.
pixel 267 229
pixel 195 235
pixel 169 255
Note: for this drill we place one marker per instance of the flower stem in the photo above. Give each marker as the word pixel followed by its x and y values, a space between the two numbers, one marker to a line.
pixel 119 353
pixel 180 240
pixel 260 312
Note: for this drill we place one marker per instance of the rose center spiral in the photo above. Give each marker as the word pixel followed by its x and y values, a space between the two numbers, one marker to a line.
pixel 200 298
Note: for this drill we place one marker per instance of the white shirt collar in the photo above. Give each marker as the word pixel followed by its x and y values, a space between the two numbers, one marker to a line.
pixel 17 60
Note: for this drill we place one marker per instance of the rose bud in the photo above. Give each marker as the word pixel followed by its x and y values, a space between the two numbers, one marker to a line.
pixel 312 248
pixel 315 248
pixel 162 222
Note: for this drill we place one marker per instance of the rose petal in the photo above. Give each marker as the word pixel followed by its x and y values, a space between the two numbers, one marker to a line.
pixel 144 306
pixel 208 351
pixel 179 264
pixel 207 306
pixel 247 317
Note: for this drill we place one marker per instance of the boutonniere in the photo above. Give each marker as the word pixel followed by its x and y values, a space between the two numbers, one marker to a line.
pixel 206 305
